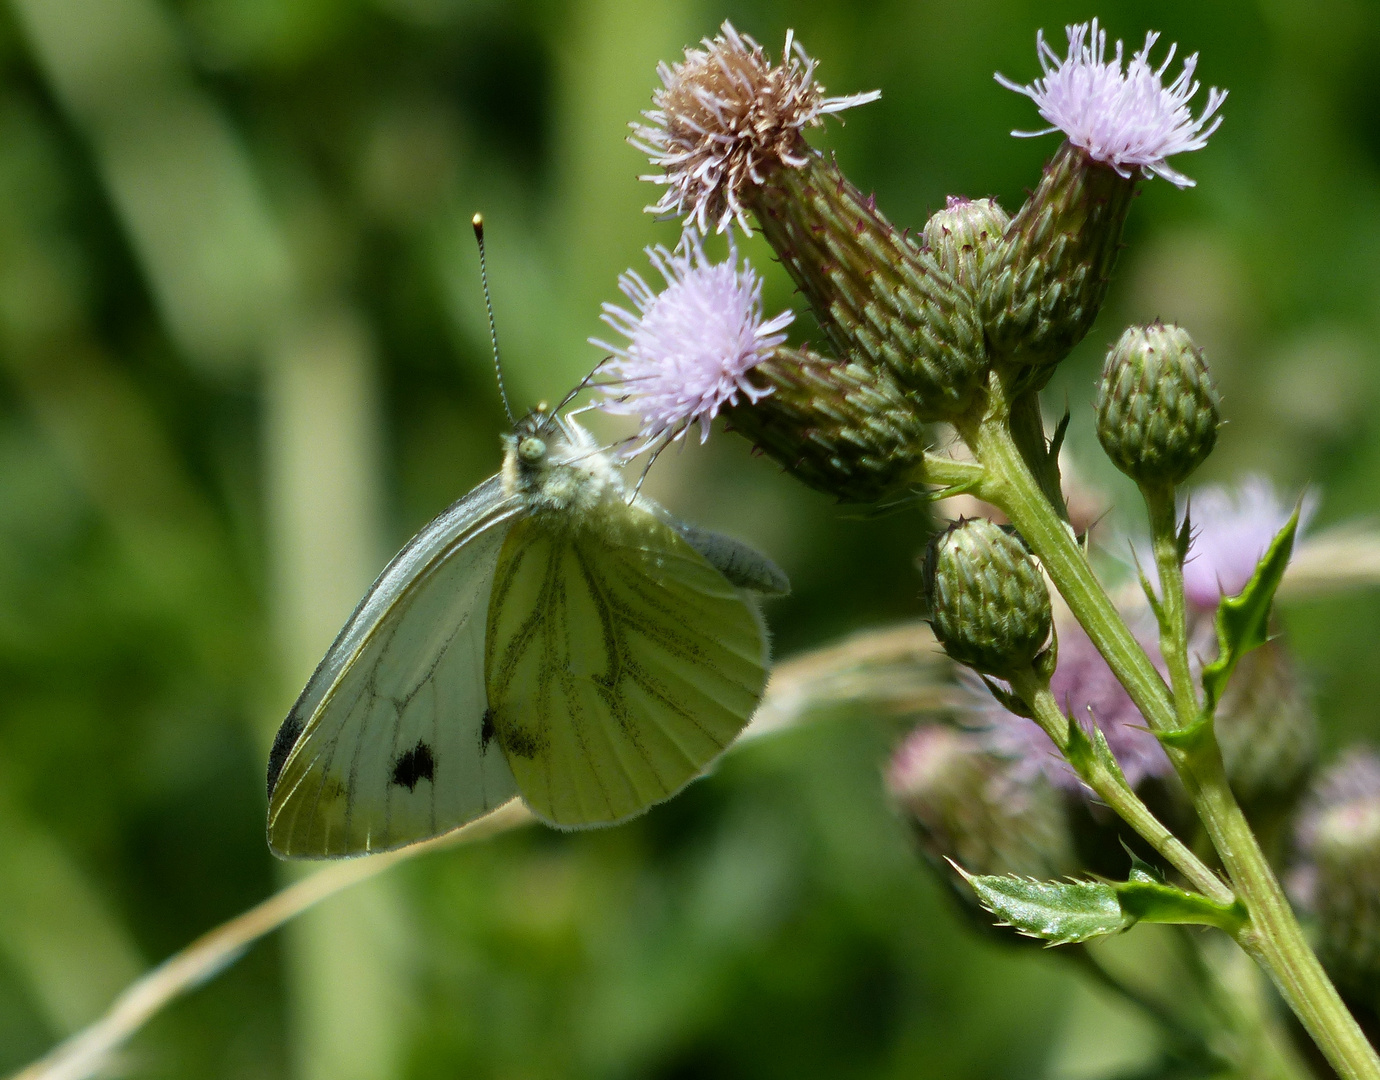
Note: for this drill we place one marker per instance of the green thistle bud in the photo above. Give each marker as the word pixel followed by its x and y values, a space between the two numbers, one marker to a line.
pixel 1267 730
pixel 966 803
pixel 1048 286
pixel 966 238
pixel 839 426
pixel 1157 410
pixel 877 296
pixel 988 602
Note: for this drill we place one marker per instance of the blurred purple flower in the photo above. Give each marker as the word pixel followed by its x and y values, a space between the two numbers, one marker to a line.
pixel 1344 806
pixel 1125 119
pixel 1232 529
pixel 690 346
pixel 1088 691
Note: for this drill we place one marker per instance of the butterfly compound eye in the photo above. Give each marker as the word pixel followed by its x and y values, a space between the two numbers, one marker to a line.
pixel 531 450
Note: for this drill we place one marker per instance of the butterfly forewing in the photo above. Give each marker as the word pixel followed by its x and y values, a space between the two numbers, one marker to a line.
pixel 620 663
pixel 390 742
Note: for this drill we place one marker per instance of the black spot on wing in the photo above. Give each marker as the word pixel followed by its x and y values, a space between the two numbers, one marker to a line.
pixel 283 743
pixel 411 768
pixel 486 731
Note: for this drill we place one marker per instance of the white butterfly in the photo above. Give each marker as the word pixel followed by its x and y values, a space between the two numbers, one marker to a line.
pixel 546 636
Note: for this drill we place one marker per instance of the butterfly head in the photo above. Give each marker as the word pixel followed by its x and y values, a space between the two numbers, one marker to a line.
pixel 554 462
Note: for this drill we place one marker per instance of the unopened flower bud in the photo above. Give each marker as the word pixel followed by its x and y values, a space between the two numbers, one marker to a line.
pixel 965 238
pixel 966 804
pixel 1267 730
pixel 1051 275
pixel 1157 409
pixel 1338 875
pixel 988 602
pixel 839 426
pixel 1120 121
pixel 877 296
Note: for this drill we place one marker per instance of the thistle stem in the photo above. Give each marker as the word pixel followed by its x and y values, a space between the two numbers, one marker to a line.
pixel 1272 934
pixel 937 470
pixel 1112 789
pixel 1173 617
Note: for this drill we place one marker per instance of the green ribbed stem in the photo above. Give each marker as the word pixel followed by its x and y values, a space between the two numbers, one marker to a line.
pixel 1114 791
pixel 1159 502
pixel 1272 934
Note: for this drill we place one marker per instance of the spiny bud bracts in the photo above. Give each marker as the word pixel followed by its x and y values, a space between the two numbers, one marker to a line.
pixel 965 804
pixel 1050 279
pixel 689 347
pixel 877 296
pixel 724 118
pixel 988 602
pixel 837 425
pixel 964 238
pixel 1157 409
pixel 1126 119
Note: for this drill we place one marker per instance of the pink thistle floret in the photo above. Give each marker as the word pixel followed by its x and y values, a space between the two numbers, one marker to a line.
pixel 1232 530
pixel 689 347
pixel 1126 119
pixel 723 118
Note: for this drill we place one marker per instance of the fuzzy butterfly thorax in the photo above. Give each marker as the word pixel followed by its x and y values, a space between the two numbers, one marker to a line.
pixel 558 471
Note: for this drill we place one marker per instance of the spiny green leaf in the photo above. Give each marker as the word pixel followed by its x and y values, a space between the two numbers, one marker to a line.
pixel 1103 753
pixel 1143 899
pixel 1185 538
pixel 1066 912
pixel 1189 739
pixel 1060 912
pixel 1084 751
pixel 1056 443
pixel 1008 701
pixel 1140 869
pixel 1079 750
pixel 1243 620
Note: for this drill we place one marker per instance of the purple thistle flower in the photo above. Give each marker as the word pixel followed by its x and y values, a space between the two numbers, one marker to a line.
pixel 723 118
pixel 1344 804
pixel 1125 119
pixel 690 347
pixel 1232 529
pixel 1089 692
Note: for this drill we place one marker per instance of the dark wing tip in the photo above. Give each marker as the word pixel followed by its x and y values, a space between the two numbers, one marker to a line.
pixel 283 743
pixel 743 566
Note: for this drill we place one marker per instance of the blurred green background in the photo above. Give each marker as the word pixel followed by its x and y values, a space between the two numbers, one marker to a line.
pixel 243 358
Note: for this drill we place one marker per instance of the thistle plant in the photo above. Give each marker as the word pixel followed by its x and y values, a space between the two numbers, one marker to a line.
pixel 1107 755
pixel 964 322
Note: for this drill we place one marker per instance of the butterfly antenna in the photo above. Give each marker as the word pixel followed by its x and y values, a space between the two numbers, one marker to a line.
pixel 478 222
pixel 583 384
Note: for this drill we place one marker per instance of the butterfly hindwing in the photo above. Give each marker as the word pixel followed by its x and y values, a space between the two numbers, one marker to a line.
pixel 620 663
pixel 391 742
